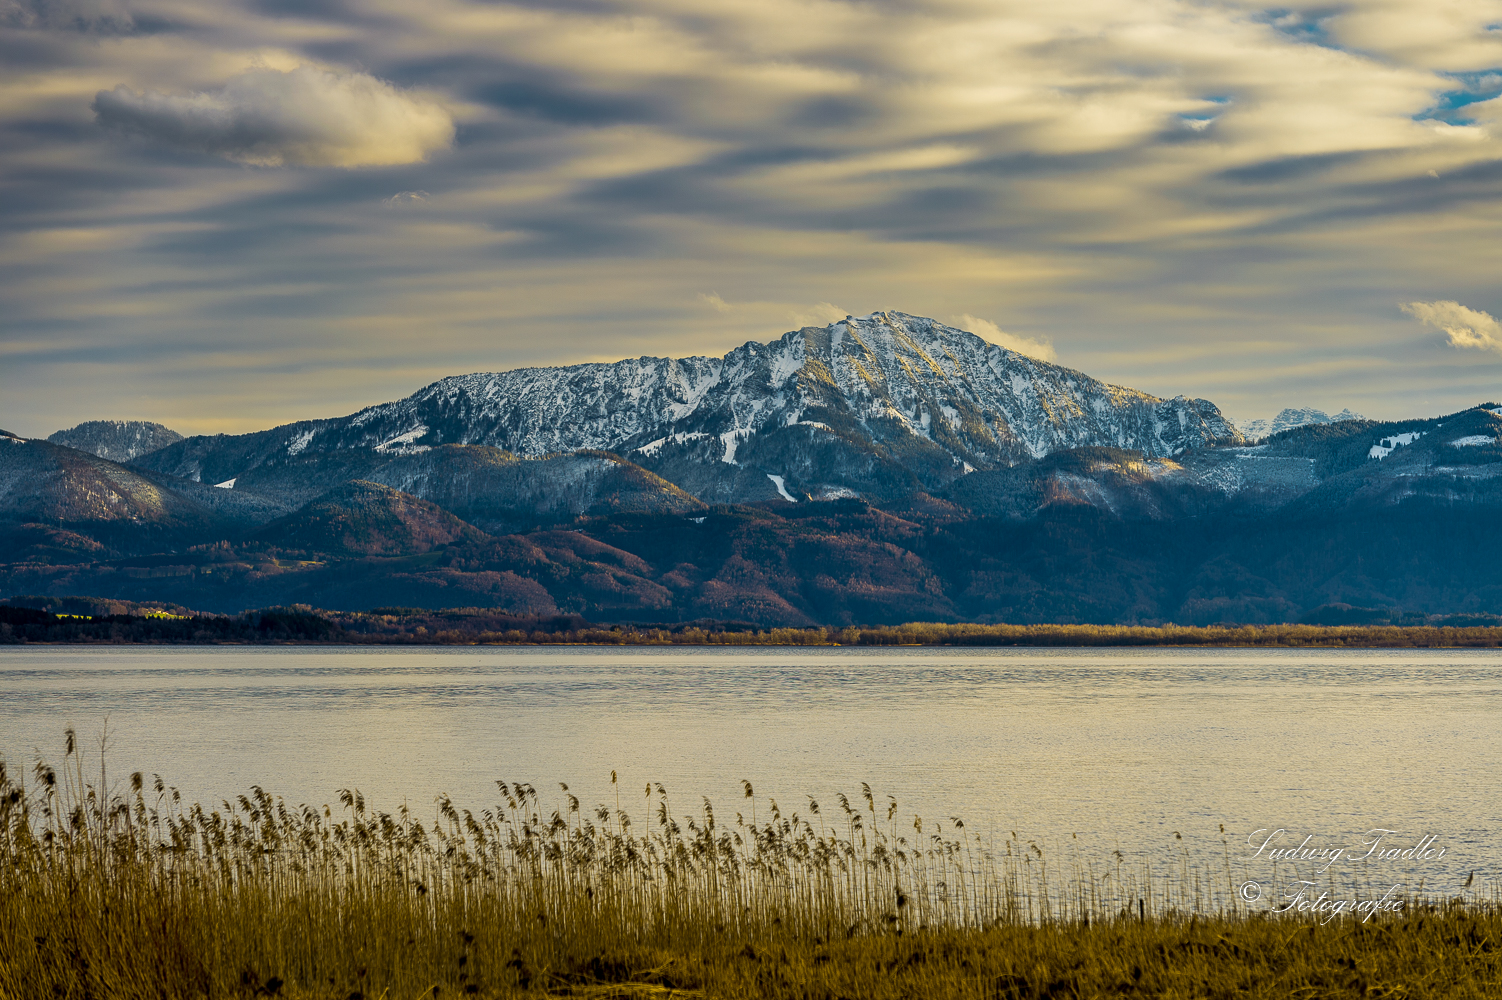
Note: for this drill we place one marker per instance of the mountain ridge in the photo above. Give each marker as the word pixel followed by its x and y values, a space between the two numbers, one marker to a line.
pixel 1398 515
pixel 875 405
pixel 1290 417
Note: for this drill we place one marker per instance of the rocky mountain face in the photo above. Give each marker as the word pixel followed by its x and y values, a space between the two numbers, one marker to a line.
pixel 874 406
pixel 117 440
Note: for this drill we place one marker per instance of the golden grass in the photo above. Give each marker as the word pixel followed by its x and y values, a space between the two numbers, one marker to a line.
pixel 450 628
pixel 136 895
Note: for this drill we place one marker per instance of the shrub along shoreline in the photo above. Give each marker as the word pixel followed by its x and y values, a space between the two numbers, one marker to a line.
pixel 22 623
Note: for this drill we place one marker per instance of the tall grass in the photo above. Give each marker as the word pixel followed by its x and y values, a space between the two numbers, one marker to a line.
pixel 135 894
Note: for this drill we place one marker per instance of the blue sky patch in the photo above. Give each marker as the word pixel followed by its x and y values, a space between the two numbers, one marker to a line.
pixel 1474 87
pixel 1301 26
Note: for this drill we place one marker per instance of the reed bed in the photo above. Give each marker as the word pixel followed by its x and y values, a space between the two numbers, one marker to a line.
pixel 135 894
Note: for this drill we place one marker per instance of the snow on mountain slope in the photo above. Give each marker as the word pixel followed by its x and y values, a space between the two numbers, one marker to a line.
pixel 1317 470
pixel 878 404
pixel 1291 417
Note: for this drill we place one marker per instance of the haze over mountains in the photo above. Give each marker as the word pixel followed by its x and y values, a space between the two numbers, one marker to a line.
pixel 881 469
pixel 1291 417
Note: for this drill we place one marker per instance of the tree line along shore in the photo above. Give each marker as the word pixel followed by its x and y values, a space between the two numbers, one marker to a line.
pixel 21 624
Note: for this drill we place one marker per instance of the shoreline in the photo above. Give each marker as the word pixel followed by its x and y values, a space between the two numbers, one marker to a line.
pixel 298 627
pixel 96 621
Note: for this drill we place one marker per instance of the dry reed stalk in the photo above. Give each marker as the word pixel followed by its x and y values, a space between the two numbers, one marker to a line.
pixel 135 895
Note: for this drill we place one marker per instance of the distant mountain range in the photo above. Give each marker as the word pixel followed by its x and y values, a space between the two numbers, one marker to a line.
pixel 1291 417
pixel 882 469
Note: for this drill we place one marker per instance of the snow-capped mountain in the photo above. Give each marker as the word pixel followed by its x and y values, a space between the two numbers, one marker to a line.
pixel 876 405
pixel 1291 417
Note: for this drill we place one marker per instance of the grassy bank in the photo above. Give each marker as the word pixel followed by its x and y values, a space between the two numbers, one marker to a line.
pixel 137 895
pixel 484 626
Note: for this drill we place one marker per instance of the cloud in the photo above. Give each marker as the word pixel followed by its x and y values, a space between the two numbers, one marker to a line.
pixel 104 16
pixel 819 314
pixel 766 313
pixel 1040 349
pixel 1170 187
pixel 1465 327
pixel 308 116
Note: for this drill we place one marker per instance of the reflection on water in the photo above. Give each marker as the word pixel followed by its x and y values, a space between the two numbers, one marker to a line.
pixel 1122 747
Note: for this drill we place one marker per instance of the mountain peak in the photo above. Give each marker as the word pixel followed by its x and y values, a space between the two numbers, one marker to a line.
pixel 875 405
pixel 1291 417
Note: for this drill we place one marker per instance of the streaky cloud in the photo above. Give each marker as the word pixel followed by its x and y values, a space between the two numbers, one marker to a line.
pixel 305 117
pixel 102 16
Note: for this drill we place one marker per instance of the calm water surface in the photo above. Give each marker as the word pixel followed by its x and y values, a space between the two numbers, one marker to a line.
pixel 1121 747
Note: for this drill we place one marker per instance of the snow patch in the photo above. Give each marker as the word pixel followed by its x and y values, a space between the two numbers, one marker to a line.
pixel 299 443
pixel 651 448
pixel 777 482
pixel 837 493
pixel 1467 471
pixel 1471 440
pixel 228 484
pixel 402 443
pixel 1388 445
pixel 784 365
pixel 733 441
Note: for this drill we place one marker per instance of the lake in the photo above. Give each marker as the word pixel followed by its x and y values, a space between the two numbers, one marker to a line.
pixel 1094 749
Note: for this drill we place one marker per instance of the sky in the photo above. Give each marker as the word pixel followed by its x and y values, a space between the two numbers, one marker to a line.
pixel 227 215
